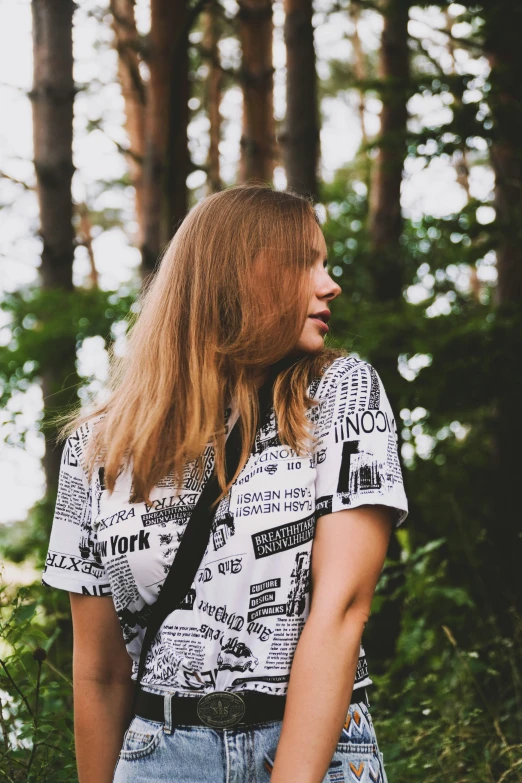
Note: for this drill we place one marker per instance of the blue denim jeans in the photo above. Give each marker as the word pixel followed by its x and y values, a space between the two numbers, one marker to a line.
pixel 155 751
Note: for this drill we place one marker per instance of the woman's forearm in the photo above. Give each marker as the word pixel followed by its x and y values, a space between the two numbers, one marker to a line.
pixel 318 697
pixel 102 712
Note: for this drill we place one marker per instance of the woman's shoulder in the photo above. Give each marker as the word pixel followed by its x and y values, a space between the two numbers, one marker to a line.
pixel 78 440
pixel 338 371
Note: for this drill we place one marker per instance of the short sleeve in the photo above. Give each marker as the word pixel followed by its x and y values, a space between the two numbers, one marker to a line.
pixel 73 560
pixel 357 459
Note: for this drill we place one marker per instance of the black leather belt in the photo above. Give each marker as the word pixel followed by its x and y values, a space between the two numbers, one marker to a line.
pixel 219 709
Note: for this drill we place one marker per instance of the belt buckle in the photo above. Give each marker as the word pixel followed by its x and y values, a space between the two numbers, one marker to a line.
pixel 221 709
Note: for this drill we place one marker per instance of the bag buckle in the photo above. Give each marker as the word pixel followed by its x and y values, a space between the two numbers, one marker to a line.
pixel 221 709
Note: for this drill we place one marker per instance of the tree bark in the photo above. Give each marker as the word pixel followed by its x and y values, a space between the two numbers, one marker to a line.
pixel 85 238
pixel 255 28
pixel 300 139
pixel 359 68
pixel 167 162
pixel 361 76
pixel 52 98
pixel 135 98
pixel 385 217
pixel 460 156
pixel 502 46
pixel 504 52
pixel 212 34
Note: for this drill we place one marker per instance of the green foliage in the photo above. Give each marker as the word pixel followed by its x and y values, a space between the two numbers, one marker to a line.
pixel 29 538
pixel 37 740
pixel 445 704
pixel 43 323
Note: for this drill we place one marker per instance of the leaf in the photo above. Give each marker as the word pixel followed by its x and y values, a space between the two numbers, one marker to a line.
pixel 26 612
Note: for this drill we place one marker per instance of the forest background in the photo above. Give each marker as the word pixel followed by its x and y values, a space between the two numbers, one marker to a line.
pixel 404 122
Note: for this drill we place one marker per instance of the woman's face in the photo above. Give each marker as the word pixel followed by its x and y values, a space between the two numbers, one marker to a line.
pixel 324 290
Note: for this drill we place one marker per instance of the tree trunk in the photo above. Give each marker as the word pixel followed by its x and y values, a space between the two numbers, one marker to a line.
pixel 134 95
pixel 361 76
pixel 300 139
pixel 212 34
pixel 460 155
pixel 85 238
pixel 502 45
pixel 52 98
pixel 505 58
pixel 359 68
pixel 385 218
pixel 255 28
pixel 167 162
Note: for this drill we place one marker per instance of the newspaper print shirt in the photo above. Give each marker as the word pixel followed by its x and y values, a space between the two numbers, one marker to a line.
pixel 239 625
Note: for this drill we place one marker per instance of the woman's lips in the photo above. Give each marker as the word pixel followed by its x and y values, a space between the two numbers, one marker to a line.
pixel 321 323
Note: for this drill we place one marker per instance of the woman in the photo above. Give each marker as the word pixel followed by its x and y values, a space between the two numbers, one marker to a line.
pixel 236 313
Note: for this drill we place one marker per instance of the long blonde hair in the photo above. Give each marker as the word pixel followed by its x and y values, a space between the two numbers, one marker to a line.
pixel 229 297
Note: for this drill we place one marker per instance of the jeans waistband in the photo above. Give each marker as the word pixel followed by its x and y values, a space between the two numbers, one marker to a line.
pixel 217 709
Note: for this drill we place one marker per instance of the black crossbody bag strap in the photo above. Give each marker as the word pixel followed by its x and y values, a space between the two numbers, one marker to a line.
pixel 195 539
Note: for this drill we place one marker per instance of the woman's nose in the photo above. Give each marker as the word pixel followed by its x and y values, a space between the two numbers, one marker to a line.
pixel 331 289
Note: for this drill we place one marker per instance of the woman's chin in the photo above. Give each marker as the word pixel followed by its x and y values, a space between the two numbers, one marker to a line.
pixel 313 344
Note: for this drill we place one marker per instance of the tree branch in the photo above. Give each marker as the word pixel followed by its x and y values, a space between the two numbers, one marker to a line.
pixel 463 42
pixel 25 186
pixel 209 55
pixel 424 52
pixel 15 686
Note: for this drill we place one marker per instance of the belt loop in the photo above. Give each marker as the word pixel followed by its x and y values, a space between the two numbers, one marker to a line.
pixel 167 705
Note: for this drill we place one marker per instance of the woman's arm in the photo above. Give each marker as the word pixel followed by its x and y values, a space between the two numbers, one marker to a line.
pixel 102 687
pixel 347 558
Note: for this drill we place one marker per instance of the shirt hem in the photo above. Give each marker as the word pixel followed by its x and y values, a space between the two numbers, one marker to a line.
pixel 402 512
pixel 71 585
pixel 163 690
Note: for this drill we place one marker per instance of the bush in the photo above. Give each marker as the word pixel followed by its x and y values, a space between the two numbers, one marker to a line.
pixel 36 713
